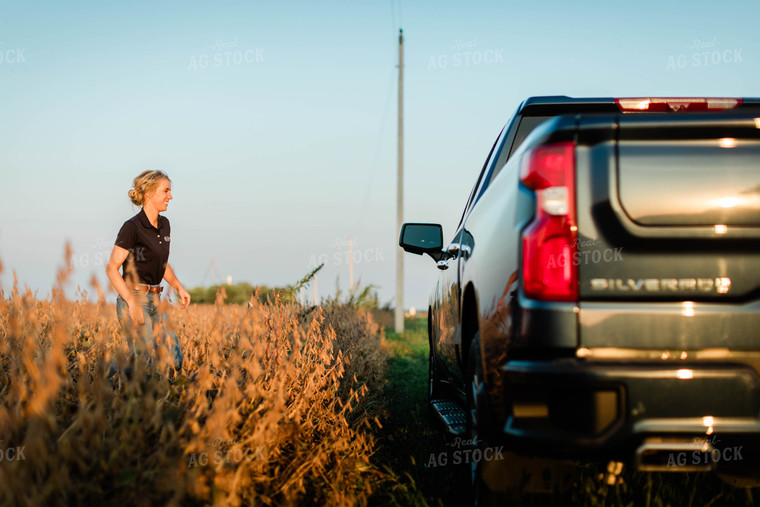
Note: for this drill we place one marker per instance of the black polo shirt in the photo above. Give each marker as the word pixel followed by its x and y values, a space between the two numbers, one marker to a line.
pixel 148 247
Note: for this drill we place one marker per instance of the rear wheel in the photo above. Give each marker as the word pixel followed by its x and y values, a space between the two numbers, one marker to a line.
pixel 501 477
pixel 482 494
pixel 435 388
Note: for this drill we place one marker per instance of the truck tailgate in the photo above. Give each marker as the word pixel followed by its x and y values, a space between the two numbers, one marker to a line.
pixel 669 231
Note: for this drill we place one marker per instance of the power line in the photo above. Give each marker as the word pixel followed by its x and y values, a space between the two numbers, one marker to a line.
pixel 378 146
pixel 211 275
pixel 381 133
pixel 394 22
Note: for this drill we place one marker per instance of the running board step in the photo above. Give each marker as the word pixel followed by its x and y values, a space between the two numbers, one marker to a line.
pixel 451 415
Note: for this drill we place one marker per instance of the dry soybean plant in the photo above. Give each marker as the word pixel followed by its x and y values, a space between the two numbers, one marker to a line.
pixel 269 407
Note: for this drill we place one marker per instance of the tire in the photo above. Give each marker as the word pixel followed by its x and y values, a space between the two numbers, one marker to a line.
pixel 511 479
pixel 473 386
pixel 481 494
pixel 435 388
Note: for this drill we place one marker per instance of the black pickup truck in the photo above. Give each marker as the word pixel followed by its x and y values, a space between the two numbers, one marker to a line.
pixel 600 296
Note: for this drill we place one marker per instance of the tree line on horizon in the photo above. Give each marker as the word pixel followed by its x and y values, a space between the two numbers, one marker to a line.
pixel 241 293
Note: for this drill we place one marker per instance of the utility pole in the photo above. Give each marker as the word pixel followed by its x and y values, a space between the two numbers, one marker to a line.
pixel 399 316
pixel 212 275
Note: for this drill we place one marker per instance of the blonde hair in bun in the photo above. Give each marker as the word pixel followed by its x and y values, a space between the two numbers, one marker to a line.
pixel 145 183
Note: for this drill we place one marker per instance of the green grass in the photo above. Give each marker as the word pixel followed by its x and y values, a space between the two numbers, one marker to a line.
pixel 410 436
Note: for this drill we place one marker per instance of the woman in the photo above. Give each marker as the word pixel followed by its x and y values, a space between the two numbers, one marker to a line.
pixel 143 242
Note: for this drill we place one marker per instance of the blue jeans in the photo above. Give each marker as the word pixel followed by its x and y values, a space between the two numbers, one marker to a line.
pixel 152 319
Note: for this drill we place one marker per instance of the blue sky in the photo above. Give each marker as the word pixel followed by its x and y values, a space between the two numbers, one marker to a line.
pixel 277 121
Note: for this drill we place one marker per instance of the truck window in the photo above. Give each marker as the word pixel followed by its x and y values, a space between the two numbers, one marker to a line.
pixel 482 175
pixel 527 124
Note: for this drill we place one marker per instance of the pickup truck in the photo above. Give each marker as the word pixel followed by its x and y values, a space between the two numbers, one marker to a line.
pixel 600 297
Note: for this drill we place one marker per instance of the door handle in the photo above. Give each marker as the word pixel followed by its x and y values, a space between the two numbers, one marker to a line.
pixel 455 249
pixel 443 265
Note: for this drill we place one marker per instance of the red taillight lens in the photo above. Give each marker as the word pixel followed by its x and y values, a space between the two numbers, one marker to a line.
pixel 663 105
pixel 549 242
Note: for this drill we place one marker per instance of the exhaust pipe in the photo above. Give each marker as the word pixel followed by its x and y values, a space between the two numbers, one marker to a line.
pixel 674 455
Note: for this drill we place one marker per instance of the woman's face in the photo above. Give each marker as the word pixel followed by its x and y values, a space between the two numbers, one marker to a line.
pixel 161 197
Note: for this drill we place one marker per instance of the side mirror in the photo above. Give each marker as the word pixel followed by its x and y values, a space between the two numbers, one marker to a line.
pixel 422 238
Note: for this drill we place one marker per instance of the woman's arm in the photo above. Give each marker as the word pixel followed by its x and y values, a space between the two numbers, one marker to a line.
pixel 172 279
pixel 118 256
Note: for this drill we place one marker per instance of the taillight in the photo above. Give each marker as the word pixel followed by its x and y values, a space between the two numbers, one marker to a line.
pixel 549 241
pixel 663 105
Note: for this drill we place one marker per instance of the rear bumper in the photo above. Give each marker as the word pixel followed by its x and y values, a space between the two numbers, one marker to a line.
pixel 579 408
